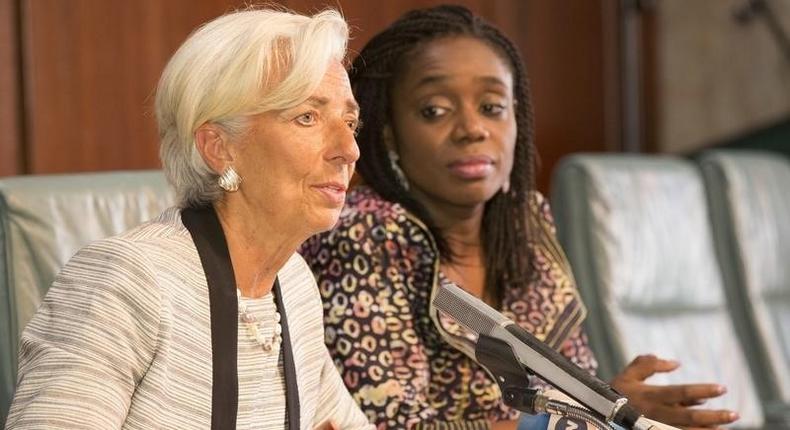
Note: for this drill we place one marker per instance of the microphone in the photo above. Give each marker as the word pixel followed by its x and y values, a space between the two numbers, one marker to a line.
pixel 506 350
pixel 557 422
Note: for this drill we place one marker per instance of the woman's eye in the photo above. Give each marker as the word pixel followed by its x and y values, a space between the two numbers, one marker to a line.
pixel 355 125
pixel 493 108
pixel 306 119
pixel 431 112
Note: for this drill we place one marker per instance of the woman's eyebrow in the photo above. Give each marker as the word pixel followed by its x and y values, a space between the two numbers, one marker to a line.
pixel 321 101
pixel 433 79
pixel 317 101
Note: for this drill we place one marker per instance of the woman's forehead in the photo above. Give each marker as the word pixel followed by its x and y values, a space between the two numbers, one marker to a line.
pixel 461 57
pixel 334 88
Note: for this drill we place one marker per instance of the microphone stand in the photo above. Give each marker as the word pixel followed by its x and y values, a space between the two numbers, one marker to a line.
pixel 498 358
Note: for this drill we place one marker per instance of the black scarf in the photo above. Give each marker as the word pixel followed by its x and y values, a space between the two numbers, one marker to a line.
pixel 209 239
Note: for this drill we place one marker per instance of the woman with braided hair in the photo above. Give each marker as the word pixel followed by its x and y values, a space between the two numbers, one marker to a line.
pixel 448 196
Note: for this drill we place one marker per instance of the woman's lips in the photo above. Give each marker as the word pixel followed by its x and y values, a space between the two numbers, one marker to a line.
pixel 333 192
pixel 472 167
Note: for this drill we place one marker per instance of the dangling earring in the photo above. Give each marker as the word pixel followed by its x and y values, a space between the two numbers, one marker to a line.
pixel 229 180
pixel 506 187
pixel 399 175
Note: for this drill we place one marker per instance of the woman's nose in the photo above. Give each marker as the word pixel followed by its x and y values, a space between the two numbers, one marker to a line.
pixel 470 127
pixel 345 148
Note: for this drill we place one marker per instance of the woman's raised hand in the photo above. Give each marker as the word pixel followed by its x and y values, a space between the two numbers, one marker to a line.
pixel 670 404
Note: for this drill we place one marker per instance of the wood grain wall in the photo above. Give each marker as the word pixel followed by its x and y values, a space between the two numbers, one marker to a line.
pixel 77 77
pixel 11 162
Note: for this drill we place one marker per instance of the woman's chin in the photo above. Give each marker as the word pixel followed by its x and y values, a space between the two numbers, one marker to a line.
pixel 324 220
pixel 474 195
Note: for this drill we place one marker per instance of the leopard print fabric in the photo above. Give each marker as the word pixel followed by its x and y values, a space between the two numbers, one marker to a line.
pixel 376 270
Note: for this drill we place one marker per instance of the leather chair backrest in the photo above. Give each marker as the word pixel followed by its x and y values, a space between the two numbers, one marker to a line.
pixel 749 195
pixel 44 220
pixel 637 232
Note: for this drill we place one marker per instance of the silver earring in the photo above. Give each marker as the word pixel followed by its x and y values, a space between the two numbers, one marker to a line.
pixel 399 175
pixel 229 180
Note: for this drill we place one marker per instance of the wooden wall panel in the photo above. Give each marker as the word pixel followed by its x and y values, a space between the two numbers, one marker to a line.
pixel 11 162
pixel 91 68
pixel 564 47
pixel 367 20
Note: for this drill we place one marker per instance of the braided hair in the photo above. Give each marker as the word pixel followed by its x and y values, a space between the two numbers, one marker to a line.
pixel 378 66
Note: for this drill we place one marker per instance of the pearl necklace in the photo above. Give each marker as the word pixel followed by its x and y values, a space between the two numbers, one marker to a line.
pixel 253 325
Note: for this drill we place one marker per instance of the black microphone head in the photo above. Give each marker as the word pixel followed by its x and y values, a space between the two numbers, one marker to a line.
pixel 467 309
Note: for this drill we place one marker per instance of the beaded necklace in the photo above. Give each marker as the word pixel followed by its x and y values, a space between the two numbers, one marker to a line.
pixel 253 326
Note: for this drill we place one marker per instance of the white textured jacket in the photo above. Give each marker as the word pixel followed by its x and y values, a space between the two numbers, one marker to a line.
pixel 124 338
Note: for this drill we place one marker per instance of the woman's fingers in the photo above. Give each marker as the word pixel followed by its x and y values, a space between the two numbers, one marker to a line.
pixel 689 403
pixel 687 417
pixel 670 403
pixel 686 394
pixel 645 366
pixel 670 406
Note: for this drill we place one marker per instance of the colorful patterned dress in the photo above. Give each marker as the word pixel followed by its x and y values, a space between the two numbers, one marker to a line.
pixel 376 270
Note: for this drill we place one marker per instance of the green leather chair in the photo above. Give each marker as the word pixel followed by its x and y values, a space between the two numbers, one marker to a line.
pixel 749 195
pixel 44 220
pixel 638 236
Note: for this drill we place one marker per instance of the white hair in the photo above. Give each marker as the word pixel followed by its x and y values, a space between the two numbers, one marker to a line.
pixel 240 64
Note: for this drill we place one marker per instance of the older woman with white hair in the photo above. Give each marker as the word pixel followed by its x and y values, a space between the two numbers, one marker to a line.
pixel 205 317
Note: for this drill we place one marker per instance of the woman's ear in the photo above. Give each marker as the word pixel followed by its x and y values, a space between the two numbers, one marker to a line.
pixel 213 147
